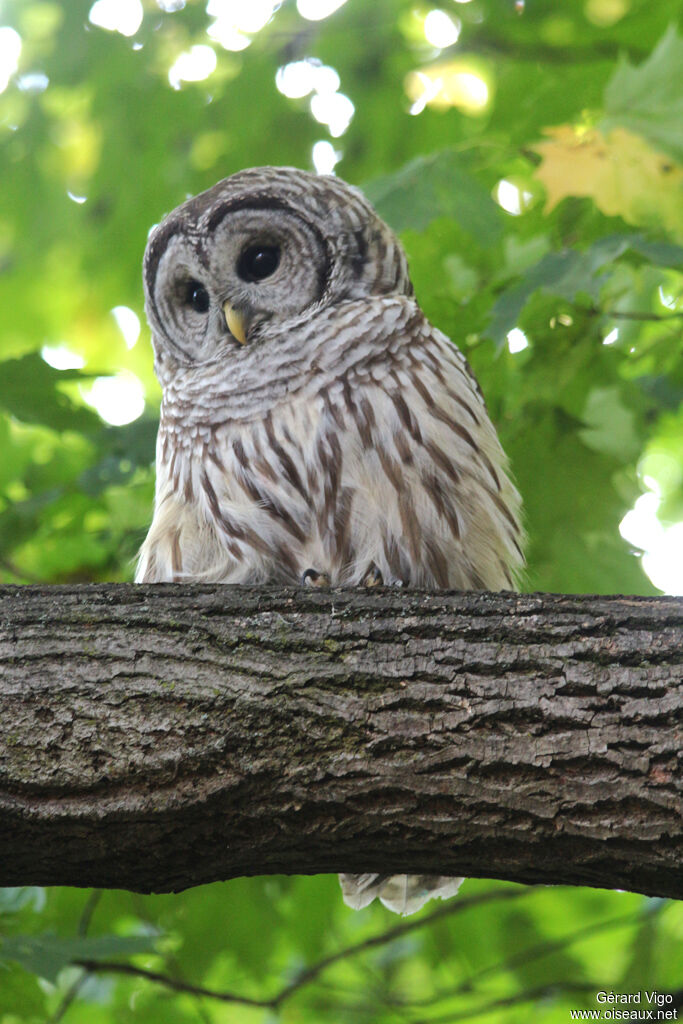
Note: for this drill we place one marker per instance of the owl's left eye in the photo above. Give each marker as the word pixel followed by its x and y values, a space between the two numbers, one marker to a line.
pixel 258 262
pixel 197 296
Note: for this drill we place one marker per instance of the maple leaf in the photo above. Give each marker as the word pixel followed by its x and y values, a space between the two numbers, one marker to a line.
pixel 649 99
pixel 620 172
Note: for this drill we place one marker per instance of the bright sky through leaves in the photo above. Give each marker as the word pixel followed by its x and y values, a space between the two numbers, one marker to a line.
pixel 302 77
pixel 195 65
pixel 316 10
pixel 124 16
pixel 325 156
pixel 662 547
pixel 128 323
pixel 61 357
pixel 517 340
pixel 512 199
pixel 118 400
pixel 441 30
pixel 10 50
pixel 444 85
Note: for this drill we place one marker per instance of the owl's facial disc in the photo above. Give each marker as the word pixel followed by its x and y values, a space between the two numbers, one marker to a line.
pixel 256 263
pixel 232 277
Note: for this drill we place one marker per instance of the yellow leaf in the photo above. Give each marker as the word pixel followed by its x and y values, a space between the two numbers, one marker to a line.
pixel 455 83
pixel 621 174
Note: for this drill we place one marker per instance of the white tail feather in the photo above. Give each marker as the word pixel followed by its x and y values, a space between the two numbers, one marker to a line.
pixel 404 894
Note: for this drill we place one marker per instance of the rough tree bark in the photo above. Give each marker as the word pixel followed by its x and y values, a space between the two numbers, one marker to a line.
pixel 153 738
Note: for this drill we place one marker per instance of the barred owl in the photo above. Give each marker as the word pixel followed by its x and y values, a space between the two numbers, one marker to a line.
pixel 314 426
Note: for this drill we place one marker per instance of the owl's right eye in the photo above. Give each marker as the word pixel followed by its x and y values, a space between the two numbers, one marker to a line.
pixel 197 297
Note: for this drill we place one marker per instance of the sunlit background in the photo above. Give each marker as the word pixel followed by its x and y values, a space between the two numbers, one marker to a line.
pixel 445 76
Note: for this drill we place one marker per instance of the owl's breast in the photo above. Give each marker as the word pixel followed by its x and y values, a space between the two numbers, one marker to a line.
pixel 247 494
pixel 375 450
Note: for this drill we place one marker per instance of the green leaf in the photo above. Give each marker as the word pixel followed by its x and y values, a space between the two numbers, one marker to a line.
pixel 46 955
pixel 609 425
pixel 28 391
pixel 570 273
pixel 13 900
pixel 649 99
pixel 559 273
pixel 123 450
pixel 21 997
pixel 440 185
pixel 664 254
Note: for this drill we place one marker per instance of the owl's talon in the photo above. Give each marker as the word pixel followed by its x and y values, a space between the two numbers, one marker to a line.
pixel 313 578
pixel 373 578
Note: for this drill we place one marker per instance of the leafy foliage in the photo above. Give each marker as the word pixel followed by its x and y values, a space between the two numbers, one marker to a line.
pixel 537 189
pixel 46 955
pixel 647 99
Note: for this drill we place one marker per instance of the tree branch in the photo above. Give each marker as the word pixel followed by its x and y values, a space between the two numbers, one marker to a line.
pixel 390 934
pixel 530 995
pixel 157 737
pixel 626 314
pixel 547 948
pixel 73 990
pixel 175 984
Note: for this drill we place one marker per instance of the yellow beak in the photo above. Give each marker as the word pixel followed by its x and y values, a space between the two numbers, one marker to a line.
pixel 235 323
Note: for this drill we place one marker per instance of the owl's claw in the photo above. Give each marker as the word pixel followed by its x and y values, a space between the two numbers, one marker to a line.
pixel 373 577
pixel 313 578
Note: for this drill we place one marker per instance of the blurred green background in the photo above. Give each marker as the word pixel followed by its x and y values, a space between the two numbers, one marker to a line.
pixel 530 154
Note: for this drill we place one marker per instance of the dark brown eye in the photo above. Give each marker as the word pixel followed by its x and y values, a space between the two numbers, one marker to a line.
pixel 197 296
pixel 258 262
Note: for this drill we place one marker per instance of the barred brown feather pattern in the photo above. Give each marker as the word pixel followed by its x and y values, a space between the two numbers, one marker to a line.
pixel 345 433
pixel 363 458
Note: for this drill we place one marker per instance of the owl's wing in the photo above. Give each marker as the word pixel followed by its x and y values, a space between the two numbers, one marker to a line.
pixel 432 502
pixel 174 540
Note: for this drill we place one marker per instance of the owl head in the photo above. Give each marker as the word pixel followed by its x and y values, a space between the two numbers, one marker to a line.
pixel 262 250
